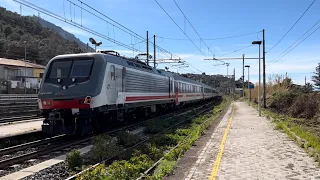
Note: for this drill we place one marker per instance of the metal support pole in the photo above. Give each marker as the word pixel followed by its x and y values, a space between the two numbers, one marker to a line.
pixel 154 51
pixel 227 68
pixel 25 67
pixel 234 83
pixel 249 87
pixel 264 71
pixel 242 75
pixel 259 95
pixel 147 49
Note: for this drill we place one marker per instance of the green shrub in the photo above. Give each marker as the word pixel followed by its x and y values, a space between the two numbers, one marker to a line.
pixel 103 147
pixel 165 167
pixel 127 139
pixel 74 160
pixel 97 173
pixel 131 169
pixel 154 152
pixel 154 127
pixel 281 102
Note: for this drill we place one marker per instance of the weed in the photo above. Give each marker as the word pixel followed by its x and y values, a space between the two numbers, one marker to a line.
pixel 103 147
pixel 97 173
pixel 127 139
pixel 74 160
pixel 129 169
pixel 164 168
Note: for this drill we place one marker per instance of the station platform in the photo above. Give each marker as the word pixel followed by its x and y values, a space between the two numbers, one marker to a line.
pixel 14 129
pixel 245 146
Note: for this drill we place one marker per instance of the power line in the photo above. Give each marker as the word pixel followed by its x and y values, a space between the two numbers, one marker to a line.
pixel 292 26
pixel 276 59
pixel 180 28
pixel 237 50
pixel 298 43
pixel 212 39
pixel 51 14
pixel 116 24
pixel 193 27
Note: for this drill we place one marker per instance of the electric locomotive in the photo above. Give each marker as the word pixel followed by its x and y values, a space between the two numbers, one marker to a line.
pixel 82 93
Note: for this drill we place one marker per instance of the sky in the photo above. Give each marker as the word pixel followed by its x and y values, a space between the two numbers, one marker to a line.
pixel 211 20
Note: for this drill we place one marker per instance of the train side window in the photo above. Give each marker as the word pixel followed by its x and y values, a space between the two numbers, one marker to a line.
pixel 113 73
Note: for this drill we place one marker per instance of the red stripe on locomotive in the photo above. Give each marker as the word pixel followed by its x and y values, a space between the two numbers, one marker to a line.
pixel 64 104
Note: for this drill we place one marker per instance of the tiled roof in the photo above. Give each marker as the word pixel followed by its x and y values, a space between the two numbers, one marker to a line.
pixel 19 63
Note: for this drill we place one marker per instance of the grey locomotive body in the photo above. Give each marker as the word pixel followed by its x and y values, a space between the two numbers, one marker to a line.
pixel 81 93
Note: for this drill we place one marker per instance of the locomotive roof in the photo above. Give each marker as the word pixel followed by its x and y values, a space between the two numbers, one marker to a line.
pixel 124 61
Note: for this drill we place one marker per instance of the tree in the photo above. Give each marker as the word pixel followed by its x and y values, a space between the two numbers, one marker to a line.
pixel 7 31
pixel 316 77
pixel 308 88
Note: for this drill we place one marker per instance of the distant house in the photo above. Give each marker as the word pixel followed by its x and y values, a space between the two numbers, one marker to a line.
pixel 16 71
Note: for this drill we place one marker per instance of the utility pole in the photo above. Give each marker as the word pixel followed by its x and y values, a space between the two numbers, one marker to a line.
pixel 234 83
pixel 305 80
pixel 259 95
pixel 147 49
pixel 242 75
pixel 305 83
pixel 228 78
pixel 25 67
pixel 227 67
pixel 264 71
pixel 154 51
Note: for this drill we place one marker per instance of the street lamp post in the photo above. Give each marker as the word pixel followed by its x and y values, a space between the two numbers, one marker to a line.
pixel 227 67
pixel 25 67
pixel 249 97
pixel 259 97
pixel 95 43
pixel 228 77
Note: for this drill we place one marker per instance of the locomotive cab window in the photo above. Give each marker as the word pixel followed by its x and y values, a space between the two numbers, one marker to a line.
pixel 70 68
pixel 81 68
pixel 60 69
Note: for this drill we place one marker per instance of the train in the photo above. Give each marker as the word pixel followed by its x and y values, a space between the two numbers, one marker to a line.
pixel 86 92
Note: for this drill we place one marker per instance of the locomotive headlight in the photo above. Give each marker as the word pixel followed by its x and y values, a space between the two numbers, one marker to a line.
pixel 73 79
pixel 88 100
pixel 46 103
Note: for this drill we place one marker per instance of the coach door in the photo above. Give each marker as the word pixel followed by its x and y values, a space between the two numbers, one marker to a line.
pixel 176 90
pixel 111 89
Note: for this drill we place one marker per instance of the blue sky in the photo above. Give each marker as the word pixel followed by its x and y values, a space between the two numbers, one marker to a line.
pixel 212 19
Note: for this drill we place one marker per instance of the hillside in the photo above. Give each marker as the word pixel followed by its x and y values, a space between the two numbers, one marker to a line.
pixel 65 34
pixel 42 42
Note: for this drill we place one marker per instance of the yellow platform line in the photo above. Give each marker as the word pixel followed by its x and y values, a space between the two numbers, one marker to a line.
pixel 216 165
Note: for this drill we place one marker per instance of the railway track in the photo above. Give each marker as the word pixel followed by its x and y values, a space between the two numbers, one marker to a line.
pixel 33 150
pixel 6 120
pixel 200 110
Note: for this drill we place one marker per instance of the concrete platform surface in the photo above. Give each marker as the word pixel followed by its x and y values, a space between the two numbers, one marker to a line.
pixel 20 128
pixel 245 146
